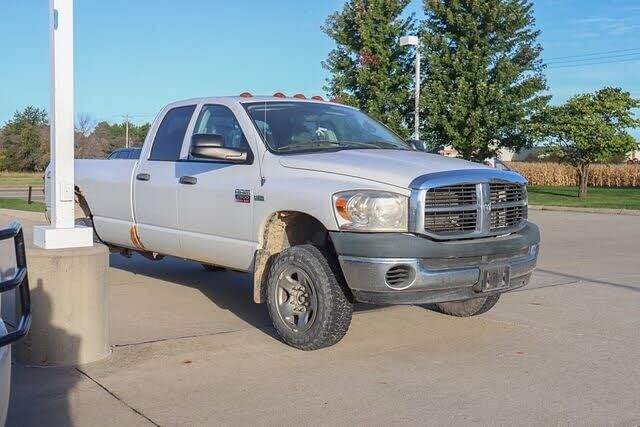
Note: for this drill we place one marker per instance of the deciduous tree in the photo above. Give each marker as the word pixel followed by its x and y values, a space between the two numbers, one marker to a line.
pixel 592 127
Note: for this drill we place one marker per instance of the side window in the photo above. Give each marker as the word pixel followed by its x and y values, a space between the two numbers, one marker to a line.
pixel 170 134
pixel 220 120
pixel 135 153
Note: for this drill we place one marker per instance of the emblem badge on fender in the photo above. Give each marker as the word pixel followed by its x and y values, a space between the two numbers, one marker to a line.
pixel 243 196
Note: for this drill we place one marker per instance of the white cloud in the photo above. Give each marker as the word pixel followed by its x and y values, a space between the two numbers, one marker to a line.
pixel 607 26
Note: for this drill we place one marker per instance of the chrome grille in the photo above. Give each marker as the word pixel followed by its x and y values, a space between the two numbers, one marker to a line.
pixel 474 210
pixel 451 221
pixel 507 217
pixel 452 195
pixel 506 192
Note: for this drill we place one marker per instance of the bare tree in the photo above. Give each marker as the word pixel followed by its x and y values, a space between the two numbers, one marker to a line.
pixel 85 124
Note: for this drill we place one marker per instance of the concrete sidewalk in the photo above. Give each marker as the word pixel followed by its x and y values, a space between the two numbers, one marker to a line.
pixel 192 348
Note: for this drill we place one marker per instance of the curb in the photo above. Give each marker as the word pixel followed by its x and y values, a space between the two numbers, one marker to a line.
pixel 26 188
pixel 33 216
pixel 628 212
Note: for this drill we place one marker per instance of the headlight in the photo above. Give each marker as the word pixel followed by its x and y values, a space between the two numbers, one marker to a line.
pixel 369 210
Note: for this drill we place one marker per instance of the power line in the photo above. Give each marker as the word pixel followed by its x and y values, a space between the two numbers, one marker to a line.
pixel 594 53
pixel 637 58
pixel 594 58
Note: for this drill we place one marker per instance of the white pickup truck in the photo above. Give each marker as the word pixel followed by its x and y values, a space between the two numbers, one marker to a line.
pixel 324 205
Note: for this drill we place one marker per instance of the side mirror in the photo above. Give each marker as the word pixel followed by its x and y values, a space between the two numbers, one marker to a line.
pixel 418 145
pixel 211 146
pixel 424 146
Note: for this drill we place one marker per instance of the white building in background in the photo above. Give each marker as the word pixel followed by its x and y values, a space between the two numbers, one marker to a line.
pixel 503 154
pixel 507 155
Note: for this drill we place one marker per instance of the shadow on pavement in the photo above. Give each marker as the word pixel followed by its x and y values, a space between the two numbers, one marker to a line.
pixel 228 290
pixel 591 280
pixel 43 396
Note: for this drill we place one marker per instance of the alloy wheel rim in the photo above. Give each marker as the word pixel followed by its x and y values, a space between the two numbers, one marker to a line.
pixel 296 299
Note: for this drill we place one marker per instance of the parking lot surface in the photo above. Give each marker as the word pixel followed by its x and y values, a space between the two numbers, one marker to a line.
pixel 190 347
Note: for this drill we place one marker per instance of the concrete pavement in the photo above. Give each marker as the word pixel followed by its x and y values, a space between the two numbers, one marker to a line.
pixel 192 348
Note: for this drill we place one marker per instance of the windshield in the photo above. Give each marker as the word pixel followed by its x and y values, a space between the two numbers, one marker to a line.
pixel 288 127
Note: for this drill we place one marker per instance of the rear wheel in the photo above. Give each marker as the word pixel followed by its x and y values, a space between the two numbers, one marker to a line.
pixel 307 299
pixel 470 307
pixel 210 267
pixel 83 216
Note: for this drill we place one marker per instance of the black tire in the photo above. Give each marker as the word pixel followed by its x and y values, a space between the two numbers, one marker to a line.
pixel 324 286
pixel 210 267
pixel 83 216
pixel 470 307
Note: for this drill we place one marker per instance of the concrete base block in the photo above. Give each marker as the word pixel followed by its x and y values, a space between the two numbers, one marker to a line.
pixel 70 306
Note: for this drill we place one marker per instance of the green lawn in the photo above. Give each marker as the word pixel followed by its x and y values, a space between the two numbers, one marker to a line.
pixel 21 179
pixel 21 205
pixel 597 197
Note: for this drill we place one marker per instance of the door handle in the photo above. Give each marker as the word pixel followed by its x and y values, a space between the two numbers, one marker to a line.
pixel 188 180
pixel 143 177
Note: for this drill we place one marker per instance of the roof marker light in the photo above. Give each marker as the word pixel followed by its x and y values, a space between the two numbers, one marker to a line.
pixel 317 98
pixel 246 95
pixel 299 96
pixel 279 95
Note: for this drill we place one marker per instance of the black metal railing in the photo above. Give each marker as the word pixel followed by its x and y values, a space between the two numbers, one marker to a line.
pixel 19 281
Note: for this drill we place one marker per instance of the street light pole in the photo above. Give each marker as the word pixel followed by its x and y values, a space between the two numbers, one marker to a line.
pixel 417 112
pixel 126 131
pixel 415 41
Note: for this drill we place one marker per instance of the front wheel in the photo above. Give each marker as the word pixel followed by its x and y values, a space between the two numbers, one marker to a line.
pixel 307 299
pixel 470 307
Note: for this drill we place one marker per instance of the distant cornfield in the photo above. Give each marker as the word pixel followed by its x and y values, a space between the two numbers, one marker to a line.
pixel 599 175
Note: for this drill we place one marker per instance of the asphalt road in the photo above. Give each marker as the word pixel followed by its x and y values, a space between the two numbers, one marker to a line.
pixel 22 193
pixel 192 348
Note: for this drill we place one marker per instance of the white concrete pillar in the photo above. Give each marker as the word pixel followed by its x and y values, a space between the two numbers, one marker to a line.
pixel 61 114
pixel 62 233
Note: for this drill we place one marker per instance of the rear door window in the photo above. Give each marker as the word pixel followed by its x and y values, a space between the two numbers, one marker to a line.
pixel 168 140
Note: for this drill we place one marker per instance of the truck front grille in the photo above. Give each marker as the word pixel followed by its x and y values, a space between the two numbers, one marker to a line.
pixel 474 210
pixel 506 192
pixel 452 195
pixel 507 217
pixel 451 221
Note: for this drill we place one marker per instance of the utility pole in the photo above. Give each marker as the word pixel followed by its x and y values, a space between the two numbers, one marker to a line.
pixel 415 41
pixel 126 131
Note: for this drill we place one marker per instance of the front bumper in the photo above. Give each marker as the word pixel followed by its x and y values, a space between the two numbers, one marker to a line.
pixel 436 271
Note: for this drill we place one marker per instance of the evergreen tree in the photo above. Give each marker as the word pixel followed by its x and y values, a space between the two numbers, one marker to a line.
pixel 24 141
pixel 483 75
pixel 370 70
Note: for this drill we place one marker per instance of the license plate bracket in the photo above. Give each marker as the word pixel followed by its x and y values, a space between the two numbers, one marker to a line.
pixel 494 277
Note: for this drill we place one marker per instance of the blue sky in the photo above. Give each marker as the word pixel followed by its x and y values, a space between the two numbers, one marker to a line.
pixel 134 56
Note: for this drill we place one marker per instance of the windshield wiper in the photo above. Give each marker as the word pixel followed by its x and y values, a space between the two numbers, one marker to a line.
pixel 310 142
pixel 343 144
pixel 387 145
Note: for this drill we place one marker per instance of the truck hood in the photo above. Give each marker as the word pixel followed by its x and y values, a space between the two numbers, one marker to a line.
pixel 394 167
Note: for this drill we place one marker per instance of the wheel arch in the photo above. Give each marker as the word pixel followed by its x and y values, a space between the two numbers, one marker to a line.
pixel 282 230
